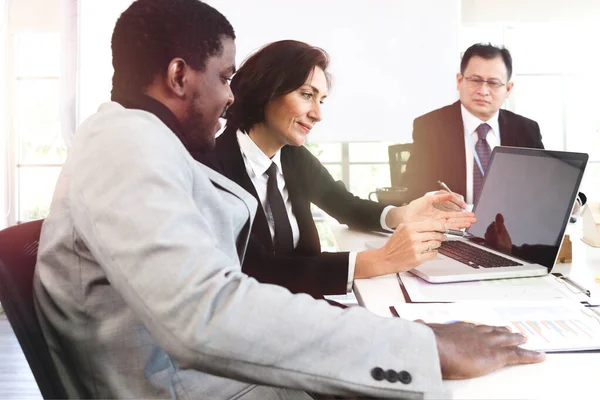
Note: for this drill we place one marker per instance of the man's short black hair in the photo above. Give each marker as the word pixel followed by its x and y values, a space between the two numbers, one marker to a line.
pixel 151 33
pixel 487 51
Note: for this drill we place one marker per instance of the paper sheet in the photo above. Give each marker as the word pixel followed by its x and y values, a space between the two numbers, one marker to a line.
pixel 562 325
pixel 536 288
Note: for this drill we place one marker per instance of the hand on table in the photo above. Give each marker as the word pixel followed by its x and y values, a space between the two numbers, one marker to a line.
pixel 467 350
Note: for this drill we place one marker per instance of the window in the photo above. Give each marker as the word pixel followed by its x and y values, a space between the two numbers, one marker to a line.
pixel 37 149
pixel 361 166
pixel 369 167
pixel 548 111
pixel 582 117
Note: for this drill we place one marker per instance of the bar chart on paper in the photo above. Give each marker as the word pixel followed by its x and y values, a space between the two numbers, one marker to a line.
pixel 553 331
pixel 549 326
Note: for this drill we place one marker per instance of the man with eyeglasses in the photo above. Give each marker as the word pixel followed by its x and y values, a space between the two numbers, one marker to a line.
pixel 453 144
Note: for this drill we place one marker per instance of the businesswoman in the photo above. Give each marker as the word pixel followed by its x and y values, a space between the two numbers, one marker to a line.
pixel 278 95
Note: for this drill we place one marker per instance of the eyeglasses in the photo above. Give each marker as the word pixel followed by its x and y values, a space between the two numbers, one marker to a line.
pixel 478 82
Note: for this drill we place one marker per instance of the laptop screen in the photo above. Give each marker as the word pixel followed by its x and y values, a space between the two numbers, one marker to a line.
pixel 526 202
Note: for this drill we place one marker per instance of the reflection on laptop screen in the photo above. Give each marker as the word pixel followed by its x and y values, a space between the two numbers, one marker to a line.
pixel 533 192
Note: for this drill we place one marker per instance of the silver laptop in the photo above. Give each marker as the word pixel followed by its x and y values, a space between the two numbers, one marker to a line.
pixel 522 212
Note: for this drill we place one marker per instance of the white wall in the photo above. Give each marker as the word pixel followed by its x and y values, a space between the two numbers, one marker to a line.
pixel 69 10
pixel 96 22
pixel 392 60
pixel 3 116
pixel 526 11
pixel 34 15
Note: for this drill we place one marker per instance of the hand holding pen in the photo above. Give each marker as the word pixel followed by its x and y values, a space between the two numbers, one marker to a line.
pixel 444 186
pixel 454 232
pixel 456 203
pixel 425 208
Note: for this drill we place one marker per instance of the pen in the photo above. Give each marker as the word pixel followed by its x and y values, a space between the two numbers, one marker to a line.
pixel 454 232
pixel 592 309
pixel 445 187
pixel 574 284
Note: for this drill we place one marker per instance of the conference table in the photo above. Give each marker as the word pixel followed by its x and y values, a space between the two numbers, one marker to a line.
pixel 560 376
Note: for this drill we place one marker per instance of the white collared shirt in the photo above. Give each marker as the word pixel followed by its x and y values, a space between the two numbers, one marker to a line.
pixel 470 124
pixel 257 163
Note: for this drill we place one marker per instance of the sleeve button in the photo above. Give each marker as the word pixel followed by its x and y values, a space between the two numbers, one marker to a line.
pixel 404 377
pixel 378 374
pixel 391 376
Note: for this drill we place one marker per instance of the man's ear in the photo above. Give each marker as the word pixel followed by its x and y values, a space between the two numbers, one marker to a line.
pixel 176 76
pixel 509 87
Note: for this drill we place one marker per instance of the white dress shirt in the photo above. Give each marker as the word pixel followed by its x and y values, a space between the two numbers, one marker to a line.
pixel 470 123
pixel 257 163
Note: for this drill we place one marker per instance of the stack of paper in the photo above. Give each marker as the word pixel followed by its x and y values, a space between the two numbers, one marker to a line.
pixel 560 325
pixel 537 288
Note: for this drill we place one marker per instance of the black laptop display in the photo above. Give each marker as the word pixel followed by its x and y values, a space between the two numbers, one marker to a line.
pixel 531 192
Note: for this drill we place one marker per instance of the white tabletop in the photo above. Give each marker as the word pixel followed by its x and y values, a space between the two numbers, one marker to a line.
pixel 561 376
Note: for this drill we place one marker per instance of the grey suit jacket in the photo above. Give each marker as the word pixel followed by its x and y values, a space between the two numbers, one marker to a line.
pixel 141 295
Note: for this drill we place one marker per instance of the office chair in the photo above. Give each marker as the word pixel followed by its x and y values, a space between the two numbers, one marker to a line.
pixel 18 253
pixel 398 155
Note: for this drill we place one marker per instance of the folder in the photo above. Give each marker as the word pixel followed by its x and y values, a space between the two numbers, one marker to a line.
pixel 549 287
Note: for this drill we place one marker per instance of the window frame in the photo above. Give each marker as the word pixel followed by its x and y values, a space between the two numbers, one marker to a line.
pixel 13 154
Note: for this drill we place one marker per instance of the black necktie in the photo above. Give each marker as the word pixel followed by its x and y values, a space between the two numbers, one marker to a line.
pixel 482 148
pixel 283 242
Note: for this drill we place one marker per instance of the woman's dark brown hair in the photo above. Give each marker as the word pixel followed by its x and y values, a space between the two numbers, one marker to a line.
pixel 277 69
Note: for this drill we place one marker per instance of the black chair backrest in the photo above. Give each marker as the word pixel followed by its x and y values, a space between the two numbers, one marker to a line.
pixel 18 254
pixel 398 154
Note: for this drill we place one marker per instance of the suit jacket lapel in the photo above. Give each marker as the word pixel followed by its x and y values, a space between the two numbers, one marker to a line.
pixel 222 183
pixel 244 236
pixel 294 189
pixel 309 237
pixel 233 167
pixel 506 139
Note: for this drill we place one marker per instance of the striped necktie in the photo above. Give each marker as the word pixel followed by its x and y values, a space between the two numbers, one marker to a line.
pixel 482 148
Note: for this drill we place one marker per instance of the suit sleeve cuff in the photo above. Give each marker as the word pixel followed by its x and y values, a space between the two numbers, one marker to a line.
pixel 384 214
pixel 351 267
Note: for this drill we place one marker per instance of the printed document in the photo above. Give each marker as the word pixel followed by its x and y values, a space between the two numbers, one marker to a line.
pixel 561 325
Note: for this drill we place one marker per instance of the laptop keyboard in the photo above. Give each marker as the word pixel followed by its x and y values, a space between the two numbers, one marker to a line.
pixel 474 256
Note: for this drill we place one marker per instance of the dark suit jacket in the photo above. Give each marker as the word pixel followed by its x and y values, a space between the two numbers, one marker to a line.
pixel 307 270
pixel 438 151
